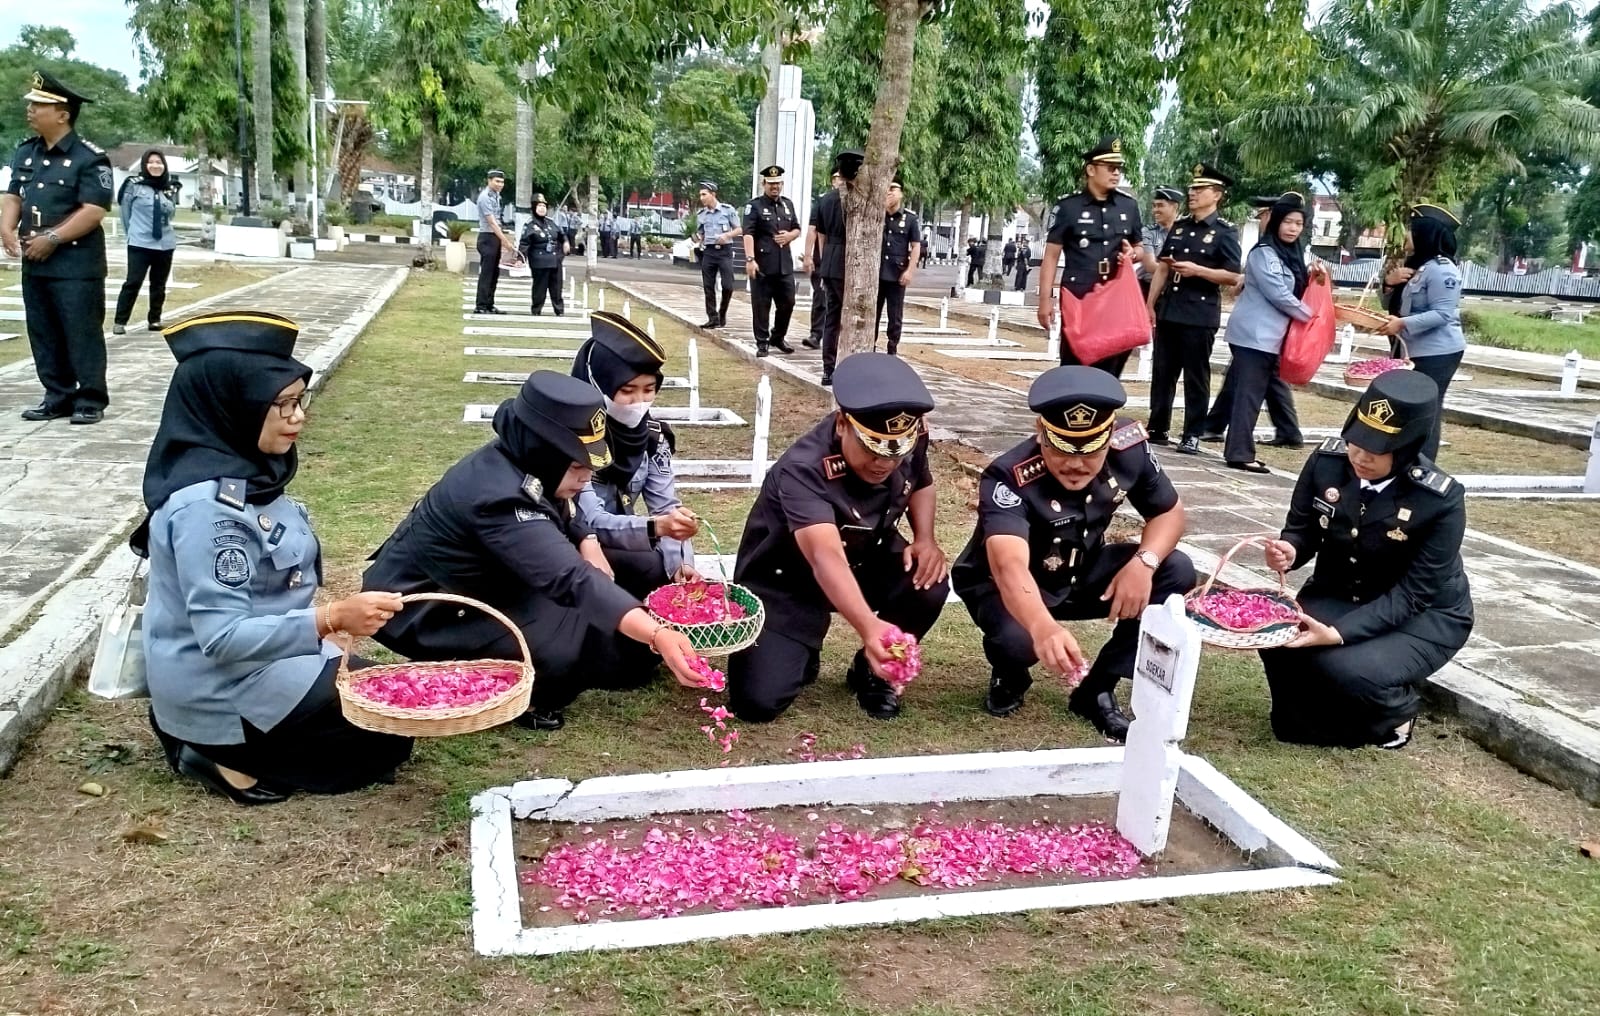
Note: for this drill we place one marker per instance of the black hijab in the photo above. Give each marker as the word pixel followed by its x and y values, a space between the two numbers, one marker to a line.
pixel 1430 239
pixel 601 367
pixel 514 428
pixel 1291 254
pixel 157 182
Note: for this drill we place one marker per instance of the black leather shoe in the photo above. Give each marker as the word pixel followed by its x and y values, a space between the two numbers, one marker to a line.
pixel 1189 446
pixel 709 323
pixel 45 411
pixel 1003 698
pixel 1279 442
pixel 542 719
pixel 782 347
pixel 1159 439
pixel 827 380
pixel 1212 438
pixel 1254 466
pixel 873 694
pixel 1104 713
pixel 810 343
pixel 202 770
pixel 762 350
pixel 493 310
pixel 88 414
pixel 170 746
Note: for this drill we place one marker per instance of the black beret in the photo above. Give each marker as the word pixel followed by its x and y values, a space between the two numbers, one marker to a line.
pixel 497 174
pixel 248 331
pixel 1169 194
pixel 884 400
pixel 1078 406
pixel 1396 410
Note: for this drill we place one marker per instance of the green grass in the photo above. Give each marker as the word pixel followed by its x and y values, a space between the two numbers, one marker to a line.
pixel 1535 333
pixel 1462 889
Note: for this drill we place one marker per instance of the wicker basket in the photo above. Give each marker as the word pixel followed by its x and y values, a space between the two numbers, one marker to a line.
pixel 1355 379
pixel 722 638
pixel 1212 631
pixel 491 712
pixel 1367 320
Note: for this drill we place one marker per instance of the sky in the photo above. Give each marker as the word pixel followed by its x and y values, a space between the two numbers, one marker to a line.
pixel 100 26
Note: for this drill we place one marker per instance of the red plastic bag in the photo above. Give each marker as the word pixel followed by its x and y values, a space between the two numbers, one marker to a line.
pixel 1112 319
pixel 1309 342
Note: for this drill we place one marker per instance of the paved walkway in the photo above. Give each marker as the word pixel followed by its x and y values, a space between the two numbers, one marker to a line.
pixel 68 494
pixel 1524 686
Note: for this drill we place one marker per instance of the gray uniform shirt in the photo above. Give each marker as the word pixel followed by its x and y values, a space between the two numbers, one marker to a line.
pixel 713 222
pixel 1431 306
pixel 141 208
pixel 610 511
pixel 488 209
pixel 230 632
pixel 1155 238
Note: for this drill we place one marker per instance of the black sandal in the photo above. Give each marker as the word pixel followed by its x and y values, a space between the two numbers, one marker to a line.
pixel 1256 466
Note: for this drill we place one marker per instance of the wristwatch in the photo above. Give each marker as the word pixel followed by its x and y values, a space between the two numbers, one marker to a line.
pixel 1148 559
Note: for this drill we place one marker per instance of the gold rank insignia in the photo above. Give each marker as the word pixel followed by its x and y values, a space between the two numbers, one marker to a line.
pixel 1396 534
pixel 1404 514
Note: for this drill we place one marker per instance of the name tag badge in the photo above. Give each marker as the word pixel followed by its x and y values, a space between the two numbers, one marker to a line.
pixel 1321 505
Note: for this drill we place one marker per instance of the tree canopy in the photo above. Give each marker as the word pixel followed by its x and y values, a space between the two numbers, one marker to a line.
pixel 116 114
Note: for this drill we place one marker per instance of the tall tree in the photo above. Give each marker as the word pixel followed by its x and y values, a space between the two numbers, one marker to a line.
pixel 295 37
pixel 265 184
pixel 52 42
pixel 117 114
pixel 317 78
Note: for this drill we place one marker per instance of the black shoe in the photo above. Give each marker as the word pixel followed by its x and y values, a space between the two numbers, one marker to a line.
pixel 493 310
pixel 119 329
pixel 873 693
pixel 155 326
pixel 1189 446
pixel 762 350
pixel 1004 698
pixel 783 347
pixel 722 320
pixel 542 719
pixel 202 770
pixel 1255 466
pixel 1161 440
pixel 710 323
pixel 45 411
pixel 1402 736
pixel 1279 442
pixel 88 414
pixel 1211 438
pixel 170 746
pixel 1104 713
pixel 810 343
pixel 827 380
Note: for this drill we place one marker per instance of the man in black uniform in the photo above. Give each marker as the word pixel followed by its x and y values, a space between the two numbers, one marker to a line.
pixel 1087 234
pixel 60 190
pixel 543 243
pixel 827 218
pixel 902 242
pixel 1199 260
pixel 1039 552
pixel 822 537
pixel 977 254
pixel 770 226
pixel 1024 264
pixel 813 259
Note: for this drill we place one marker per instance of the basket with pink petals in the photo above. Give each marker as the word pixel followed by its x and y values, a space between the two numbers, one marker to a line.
pixel 718 618
pixel 1243 618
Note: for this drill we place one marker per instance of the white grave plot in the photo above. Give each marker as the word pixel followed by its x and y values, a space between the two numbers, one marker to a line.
pixel 541 331
pixel 1148 778
pixel 1535 488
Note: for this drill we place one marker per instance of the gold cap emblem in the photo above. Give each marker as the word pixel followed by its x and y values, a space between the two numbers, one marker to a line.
pixel 1380 410
pixel 1116 144
pixel 1199 169
pixel 38 80
pixel 1080 415
pixel 900 424
pixel 597 425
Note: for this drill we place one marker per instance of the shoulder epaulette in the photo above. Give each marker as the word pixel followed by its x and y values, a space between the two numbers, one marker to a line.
pixel 1027 471
pixel 1432 479
pixel 1128 436
pixel 231 492
pixel 96 149
pixel 834 466
pixel 1332 446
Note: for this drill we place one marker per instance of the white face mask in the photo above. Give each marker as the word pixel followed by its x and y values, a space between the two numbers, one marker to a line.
pixel 630 415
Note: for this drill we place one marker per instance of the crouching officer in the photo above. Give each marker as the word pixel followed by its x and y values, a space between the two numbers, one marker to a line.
pixel 770 226
pixel 822 538
pixel 1038 553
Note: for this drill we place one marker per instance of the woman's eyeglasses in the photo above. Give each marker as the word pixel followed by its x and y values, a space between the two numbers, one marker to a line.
pixel 286 407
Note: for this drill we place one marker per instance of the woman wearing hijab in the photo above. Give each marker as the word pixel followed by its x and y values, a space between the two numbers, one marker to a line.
pixel 147 201
pixel 647 551
pixel 1426 302
pixel 1388 603
pixel 500 526
pixel 241 676
pixel 1275 279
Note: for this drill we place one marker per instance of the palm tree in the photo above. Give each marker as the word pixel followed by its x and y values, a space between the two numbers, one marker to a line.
pixel 1425 92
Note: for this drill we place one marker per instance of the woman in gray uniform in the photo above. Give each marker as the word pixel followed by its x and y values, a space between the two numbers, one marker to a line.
pixel 645 551
pixel 241 678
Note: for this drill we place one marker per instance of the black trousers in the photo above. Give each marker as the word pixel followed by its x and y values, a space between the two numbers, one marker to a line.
pixel 819 306
pixel 1022 276
pixel 1441 370
pixel 766 678
pixel 635 245
pixel 640 572
pixel 973 268
pixel 891 294
pixel 714 264
pixel 1184 349
pixel 571 655
pixel 1009 649
pixel 608 244
pixel 1351 695
pixel 546 281
pixel 488 270
pixel 142 260
pixel 832 313
pixel 313 749
pixel 1251 376
pixel 1280 409
pixel 766 291
pixel 66 321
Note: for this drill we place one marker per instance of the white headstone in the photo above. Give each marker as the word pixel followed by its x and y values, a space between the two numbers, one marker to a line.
pixel 694 376
pixel 1591 476
pixel 585 295
pixel 758 450
pixel 1570 366
pixel 944 312
pixel 1142 372
pixel 994 326
pixel 602 305
pixel 1163 688
pixel 627 311
pixel 1347 341
pixel 1052 348
pixel 650 327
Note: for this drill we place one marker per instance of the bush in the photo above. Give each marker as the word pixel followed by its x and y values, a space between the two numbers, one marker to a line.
pixel 274 214
pixel 394 221
pixel 335 214
pixel 458 228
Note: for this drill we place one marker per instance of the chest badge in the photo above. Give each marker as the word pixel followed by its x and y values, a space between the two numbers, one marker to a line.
pixel 1404 515
pixel 1054 561
pixel 265 523
pixel 1331 495
pixel 1083 242
pixel 1208 238
pixel 1055 506
pixel 296 579
pixel 66 162
pixel 1396 534
pixel 1322 520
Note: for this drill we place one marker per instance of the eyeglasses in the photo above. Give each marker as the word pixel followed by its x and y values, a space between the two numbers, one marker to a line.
pixel 286 407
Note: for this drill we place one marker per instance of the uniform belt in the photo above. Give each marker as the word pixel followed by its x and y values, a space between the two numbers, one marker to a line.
pixel 1104 268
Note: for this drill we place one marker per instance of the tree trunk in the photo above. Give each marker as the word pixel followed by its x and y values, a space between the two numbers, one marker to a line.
pixel 524 193
pixel 317 74
pixel 202 174
pixel 866 196
pixel 266 187
pixel 591 252
pixel 295 25
pixel 333 183
pixel 358 134
pixel 963 223
pixel 771 64
pixel 994 253
pixel 425 188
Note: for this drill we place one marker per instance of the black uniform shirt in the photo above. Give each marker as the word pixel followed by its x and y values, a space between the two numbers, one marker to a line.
pixel 827 218
pixel 1392 563
pixel 809 485
pixel 1212 242
pixel 1090 233
pixel 542 242
pixel 900 231
pixel 765 218
pixel 1064 528
pixel 480 531
pixel 53 182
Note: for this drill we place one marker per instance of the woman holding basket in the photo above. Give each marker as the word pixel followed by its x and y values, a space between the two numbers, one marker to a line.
pixel 1428 316
pixel 1388 603
pixel 645 552
pixel 242 677
pixel 501 526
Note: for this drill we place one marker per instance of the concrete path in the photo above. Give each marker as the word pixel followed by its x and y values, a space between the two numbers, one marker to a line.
pixel 69 494
pixel 1525 686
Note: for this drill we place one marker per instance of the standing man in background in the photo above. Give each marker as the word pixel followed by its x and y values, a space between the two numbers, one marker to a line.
pixel 716 228
pixel 1024 264
pixel 1164 203
pixel 901 246
pixel 608 234
pixel 491 240
pixel 635 238
pixel 813 264
pixel 1008 256
pixel 827 218
pixel 770 225
pixel 63 252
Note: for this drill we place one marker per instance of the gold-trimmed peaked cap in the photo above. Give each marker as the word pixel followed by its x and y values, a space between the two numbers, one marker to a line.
pixel 568 414
pixel 46 89
pixel 247 331
pixel 1207 175
pixel 772 173
pixel 627 341
pixel 1077 406
pixel 1396 410
pixel 1108 151
pixel 883 400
